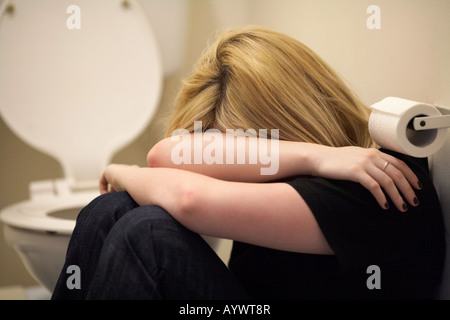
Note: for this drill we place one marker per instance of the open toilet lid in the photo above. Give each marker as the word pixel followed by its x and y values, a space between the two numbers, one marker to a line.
pixel 77 82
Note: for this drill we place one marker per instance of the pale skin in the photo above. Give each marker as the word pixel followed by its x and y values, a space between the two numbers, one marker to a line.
pixel 229 200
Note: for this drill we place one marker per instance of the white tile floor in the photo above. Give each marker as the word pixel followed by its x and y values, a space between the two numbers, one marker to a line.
pixel 21 293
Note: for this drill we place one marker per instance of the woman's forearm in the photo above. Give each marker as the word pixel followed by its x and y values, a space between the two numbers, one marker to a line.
pixel 243 158
pixel 264 214
pixel 164 187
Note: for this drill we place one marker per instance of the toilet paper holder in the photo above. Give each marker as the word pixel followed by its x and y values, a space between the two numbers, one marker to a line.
pixel 433 122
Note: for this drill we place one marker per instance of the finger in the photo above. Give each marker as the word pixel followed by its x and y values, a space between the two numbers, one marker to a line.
pixel 374 187
pixel 405 170
pixel 389 187
pixel 402 184
pixel 103 185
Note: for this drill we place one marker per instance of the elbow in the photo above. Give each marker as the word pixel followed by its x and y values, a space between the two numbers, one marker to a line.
pixel 155 156
pixel 152 158
pixel 160 156
pixel 194 205
pixel 186 202
pixel 186 210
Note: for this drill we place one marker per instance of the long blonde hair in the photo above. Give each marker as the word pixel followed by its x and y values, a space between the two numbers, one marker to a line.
pixel 255 78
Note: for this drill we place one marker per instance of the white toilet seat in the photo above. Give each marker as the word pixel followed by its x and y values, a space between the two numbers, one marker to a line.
pixel 36 214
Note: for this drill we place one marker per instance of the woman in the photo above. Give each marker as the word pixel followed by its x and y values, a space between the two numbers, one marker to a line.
pixel 316 228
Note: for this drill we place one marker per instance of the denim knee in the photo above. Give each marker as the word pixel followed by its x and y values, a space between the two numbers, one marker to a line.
pixel 150 255
pixel 106 207
pixel 151 230
pixel 133 255
pixel 150 221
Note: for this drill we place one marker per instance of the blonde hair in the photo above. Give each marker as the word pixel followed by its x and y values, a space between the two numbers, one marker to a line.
pixel 256 78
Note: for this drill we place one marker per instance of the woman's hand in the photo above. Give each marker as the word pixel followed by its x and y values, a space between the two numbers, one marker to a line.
pixel 371 168
pixel 112 179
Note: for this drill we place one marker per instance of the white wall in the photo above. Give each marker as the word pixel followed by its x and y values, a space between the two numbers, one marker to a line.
pixel 407 57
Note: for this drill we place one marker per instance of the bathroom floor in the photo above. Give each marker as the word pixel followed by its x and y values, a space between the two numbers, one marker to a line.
pixel 24 293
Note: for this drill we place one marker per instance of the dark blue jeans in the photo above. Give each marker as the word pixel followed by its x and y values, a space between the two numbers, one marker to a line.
pixel 125 251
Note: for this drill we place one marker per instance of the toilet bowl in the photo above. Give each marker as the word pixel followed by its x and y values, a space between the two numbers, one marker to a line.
pixel 39 230
pixel 77 82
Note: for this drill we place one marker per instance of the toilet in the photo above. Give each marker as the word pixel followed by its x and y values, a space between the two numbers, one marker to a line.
pixel 77 82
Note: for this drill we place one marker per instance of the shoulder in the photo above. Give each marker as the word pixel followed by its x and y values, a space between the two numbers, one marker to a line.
pixel 361 233
pixel 350 216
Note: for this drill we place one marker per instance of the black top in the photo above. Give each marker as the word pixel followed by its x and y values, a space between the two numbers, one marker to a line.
pixel 379 253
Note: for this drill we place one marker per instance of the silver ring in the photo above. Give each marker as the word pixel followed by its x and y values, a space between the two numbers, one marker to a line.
pixel 386 164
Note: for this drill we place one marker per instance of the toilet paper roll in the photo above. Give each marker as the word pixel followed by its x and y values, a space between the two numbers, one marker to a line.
pixel 390 125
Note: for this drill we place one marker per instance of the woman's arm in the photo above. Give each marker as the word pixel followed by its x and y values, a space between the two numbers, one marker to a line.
pixel 272 215
pixel 232 157
pixel 365 166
